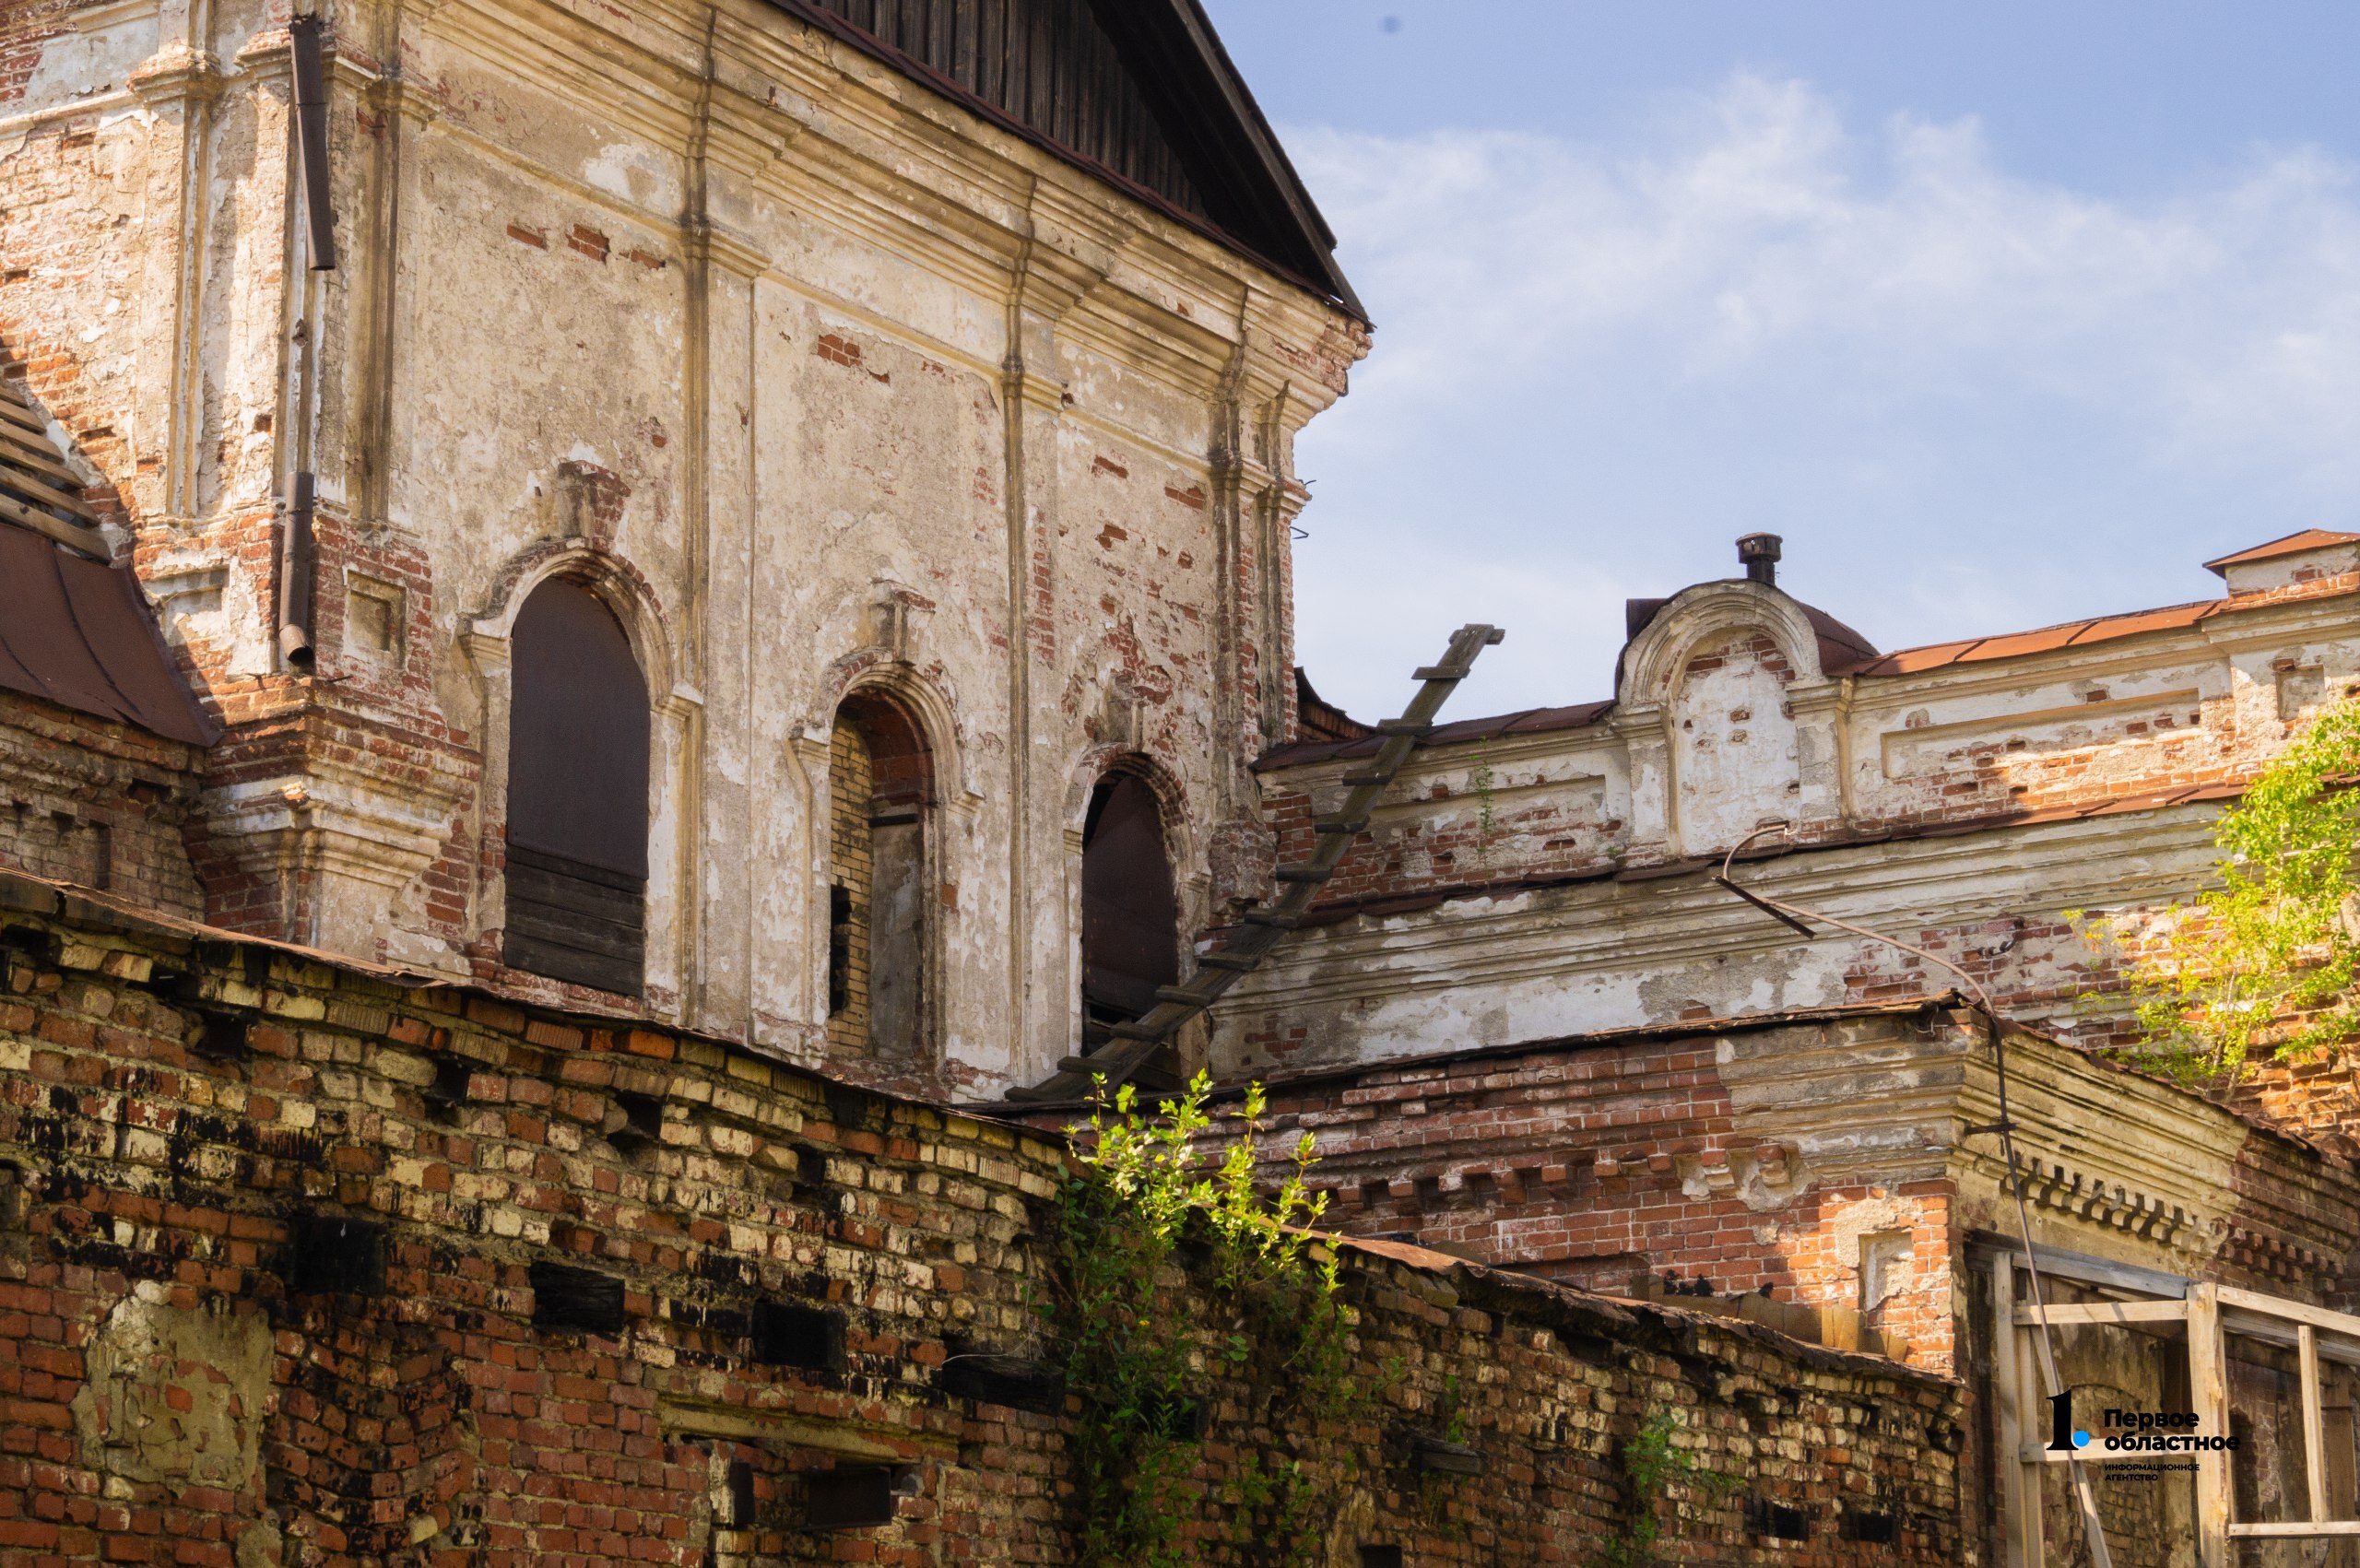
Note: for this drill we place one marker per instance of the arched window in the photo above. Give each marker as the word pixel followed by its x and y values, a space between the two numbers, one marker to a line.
pixel 577 794
pixel 880 783
pixel 1131 916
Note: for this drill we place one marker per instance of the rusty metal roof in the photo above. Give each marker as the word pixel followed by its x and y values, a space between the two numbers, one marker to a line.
pixel 2045 639
pixel 74 629
pixel 1841 649
pixel 2292 544
pixel 1531 721
pixel 80 633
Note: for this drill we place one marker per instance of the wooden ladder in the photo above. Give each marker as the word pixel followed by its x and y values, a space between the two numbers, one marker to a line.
pixel 1261 930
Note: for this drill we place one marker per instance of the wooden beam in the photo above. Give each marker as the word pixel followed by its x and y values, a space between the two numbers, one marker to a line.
pixel 74 535
pixel 2240 1324
pixel 32 488
pixel 30 452
pixel 2208 1391
pixel 2314 1425
pixel 2298 1531
pixel 2083 1269
pixel 848 1438
pixel 2030 1400
pixel 21 415
pixel 2104 1312
pixel 2004 1334
pixel 2342 1323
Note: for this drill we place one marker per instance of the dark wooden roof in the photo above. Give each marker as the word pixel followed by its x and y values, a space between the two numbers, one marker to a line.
pixel 1139 92
pixel 74 629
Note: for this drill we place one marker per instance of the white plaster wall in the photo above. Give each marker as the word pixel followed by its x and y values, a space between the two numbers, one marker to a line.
pixel 879 395
pixel 1578 915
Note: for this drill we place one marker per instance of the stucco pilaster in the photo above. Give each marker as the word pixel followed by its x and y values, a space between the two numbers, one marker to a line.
pixel 1065 257
pixel 1647 768
pixel 179 86
pixel 721 272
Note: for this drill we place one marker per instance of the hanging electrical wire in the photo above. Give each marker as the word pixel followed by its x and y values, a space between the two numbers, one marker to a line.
pixel 1798 917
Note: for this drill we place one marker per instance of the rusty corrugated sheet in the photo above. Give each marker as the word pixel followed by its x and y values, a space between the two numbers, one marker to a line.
pixel 74 629
pixel 79 633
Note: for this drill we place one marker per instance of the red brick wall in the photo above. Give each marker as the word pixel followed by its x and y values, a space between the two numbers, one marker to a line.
pixel 1598 1166
pixel 179 1385
pixel 97 804
pixel 1600 1163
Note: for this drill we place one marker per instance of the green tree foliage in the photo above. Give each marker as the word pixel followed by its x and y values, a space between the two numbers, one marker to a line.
pixel 2267 962
pixel 1144 1353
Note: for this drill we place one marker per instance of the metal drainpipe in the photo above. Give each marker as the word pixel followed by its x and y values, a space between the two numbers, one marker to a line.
pixel 297 547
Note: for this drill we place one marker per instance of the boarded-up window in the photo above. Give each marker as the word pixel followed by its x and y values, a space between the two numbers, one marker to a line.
pixel 577 795
pixel 881 783
pixel 1130 916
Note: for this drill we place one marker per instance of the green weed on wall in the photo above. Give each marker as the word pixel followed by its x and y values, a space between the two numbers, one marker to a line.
pixel 1146 1214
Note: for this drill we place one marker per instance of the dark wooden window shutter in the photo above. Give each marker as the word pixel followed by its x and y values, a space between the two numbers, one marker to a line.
pixel 577 795
pixel 1130 914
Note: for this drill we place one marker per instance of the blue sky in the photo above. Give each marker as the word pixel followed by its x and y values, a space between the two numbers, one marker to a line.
pixel 2002 313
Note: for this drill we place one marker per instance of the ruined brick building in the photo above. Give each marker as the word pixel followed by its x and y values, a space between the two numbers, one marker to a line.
pixel 750 404
pixel 603 612
pixel 1532 1023
pixel 2020 805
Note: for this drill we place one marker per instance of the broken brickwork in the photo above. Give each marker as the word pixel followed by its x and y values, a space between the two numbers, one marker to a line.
pixel 1549 873
pixel 1816 1158
pixel 305 1264
pixel 101 805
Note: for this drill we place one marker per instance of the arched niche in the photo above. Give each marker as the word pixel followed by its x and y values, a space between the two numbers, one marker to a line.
pixel 1736 754
pixel 1130 905
pixel 579 736
pixel 882 845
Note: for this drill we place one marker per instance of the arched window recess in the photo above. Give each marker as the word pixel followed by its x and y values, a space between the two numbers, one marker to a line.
pixel 1130 910
pixel 578 746
pixel 880 913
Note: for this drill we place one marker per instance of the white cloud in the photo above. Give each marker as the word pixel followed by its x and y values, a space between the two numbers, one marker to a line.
pixel 1971 401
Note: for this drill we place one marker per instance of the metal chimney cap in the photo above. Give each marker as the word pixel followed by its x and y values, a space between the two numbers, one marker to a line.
pixel 1758 553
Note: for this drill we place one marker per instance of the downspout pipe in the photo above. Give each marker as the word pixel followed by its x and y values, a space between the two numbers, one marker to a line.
pixel 311 136
pixel 295 573
pixel 298 546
